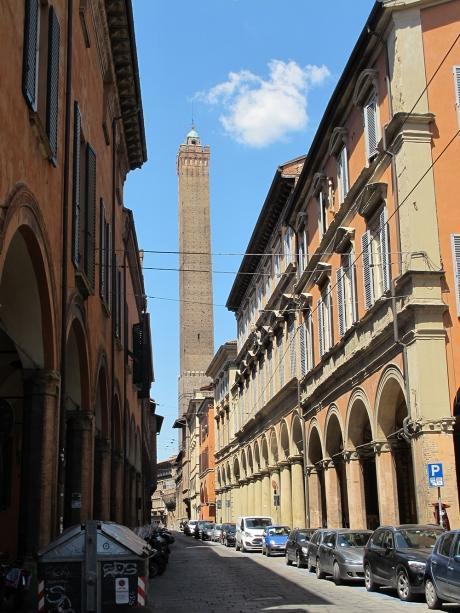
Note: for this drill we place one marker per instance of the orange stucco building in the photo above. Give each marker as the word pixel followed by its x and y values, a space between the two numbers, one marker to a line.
pixel 76 420
pixel 347 371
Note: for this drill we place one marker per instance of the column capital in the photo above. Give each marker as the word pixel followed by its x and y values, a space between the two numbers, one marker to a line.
pixel 81 420
pixel 250 478
pixel 381 446
pixel 311 469
pixel 257 475
pixel 243 481
pixel 117 456
pixel 283 463
pixel 218 490
pixel 264 471
pixel 296 459
pixel 273 468
pixel 102 445
pixel 328 463
pixel 350 455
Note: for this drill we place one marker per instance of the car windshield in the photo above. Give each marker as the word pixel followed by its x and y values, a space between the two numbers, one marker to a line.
pixel 278 531
pixel 258 522
pixel 231 528
pixel 424 538
pixel 208 526
pixel 353 539
pixel 303 536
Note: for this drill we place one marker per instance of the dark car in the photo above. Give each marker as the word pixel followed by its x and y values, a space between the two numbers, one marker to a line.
pixel 313 547
pixel 199 528
pixel 442 574
pixel 341 555
pixel 206 530
pixel 228 537
pixel 397 556
pixel 297 546
pixel 189 528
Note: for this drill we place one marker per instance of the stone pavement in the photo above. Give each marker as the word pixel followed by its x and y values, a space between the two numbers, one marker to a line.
pixel 210 578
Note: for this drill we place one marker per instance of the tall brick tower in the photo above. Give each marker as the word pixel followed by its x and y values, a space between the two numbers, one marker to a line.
pixel 195 278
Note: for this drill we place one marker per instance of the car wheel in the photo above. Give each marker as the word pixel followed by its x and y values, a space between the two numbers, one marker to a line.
pixel 298 561
pixel 371 585
pixel 243 548
pixel 310 566
pixel 237 547
pixel 403 586
pixel 336 574
pixel 268 552
pixel 431 596
pixel 288 561
pixel 319 572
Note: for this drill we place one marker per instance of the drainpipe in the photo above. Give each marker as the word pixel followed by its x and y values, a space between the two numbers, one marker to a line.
pixel 64 276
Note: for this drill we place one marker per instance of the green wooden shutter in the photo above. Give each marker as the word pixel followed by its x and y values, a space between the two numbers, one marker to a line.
pixel 102 253
pixel 385 251
pixel 52 95
pixel 90 234
pixel 455 238
pixel 342 311
pixel 30 48
pixel 76 186
pixel 367 272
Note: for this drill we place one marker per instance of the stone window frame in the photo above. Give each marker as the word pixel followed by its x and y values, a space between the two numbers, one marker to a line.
pixel 365 96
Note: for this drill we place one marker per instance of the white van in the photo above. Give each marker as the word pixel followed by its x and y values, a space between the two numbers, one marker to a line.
pixel 249 531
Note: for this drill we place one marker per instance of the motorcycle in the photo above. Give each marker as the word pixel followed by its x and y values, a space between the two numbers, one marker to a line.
pixel 14 583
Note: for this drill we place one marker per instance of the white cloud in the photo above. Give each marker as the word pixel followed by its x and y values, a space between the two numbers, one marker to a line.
pixel 257 111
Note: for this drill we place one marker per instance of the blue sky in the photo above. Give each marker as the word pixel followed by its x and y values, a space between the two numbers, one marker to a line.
pixel 258 75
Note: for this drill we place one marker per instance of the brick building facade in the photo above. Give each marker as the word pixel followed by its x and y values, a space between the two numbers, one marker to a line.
pixel 76 369
pixel 347 370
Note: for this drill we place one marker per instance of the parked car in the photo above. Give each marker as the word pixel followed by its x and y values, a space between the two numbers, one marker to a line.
pixel 198 528
pixel 206 530
pixel 274 540
pixel 297 546
pixel 228 535
pixel 216 533
pixel 442 573
pixel 341 555
pixel 189 528
pixel 249 532
pixel 397 556
pixel 313 547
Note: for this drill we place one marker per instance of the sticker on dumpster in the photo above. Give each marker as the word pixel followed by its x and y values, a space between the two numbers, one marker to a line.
pixel 122 590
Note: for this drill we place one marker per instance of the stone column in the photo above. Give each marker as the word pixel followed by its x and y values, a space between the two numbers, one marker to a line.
pixel 116 489
pixel 355 488
pixel 234 510
pixel 286 493
pixel 386 484
pixel 39 476
pixel 333 501
pixel 79 466
pixel 102 479
pixel 251 486
pixel 314 497
pixel 275 489
pixel 257 494
pixel 220 498
pixel 265 492
pixel 298 491
pixel 243 496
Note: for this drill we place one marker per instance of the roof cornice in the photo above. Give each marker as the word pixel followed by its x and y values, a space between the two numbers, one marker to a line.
pixel 123 44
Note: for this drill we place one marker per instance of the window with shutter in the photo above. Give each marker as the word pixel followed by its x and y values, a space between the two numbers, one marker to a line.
pixel 303 348
pixel 109 266
pixel 350 272
pixel 280 360
pixel 292 352
pixel 52 97
pixel 457 85
pixel 342 314
pixel 76 186
pixel 342 173
pixel 270 371
pixel 456 265
pixel 138 343
pixel 371 127
pixel 319 308
pixel 30 53
pixel 262 382
pixel 90 217
pixel 384 251
pixel 327 302
pixel 102 253
pixel 367 273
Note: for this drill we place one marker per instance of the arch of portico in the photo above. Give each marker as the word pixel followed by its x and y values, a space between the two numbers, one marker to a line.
pixel 315 473
pixel 396 487
pixel 363 494
pixel 335 471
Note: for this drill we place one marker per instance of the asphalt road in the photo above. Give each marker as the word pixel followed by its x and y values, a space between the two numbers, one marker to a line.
pixel 210 578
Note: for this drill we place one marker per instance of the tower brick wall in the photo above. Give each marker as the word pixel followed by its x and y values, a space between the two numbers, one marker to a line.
pixel 195 278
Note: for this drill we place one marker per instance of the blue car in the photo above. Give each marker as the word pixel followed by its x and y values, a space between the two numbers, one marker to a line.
pixel 274 540
pixel 442 573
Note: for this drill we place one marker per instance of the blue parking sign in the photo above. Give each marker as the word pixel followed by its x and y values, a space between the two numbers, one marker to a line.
pixel 435 475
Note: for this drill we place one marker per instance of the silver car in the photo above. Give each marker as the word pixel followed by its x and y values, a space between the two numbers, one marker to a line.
pixel 216 533
pixel 341 555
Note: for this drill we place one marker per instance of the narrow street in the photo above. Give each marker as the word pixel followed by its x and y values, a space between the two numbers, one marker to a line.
pixel 208 577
